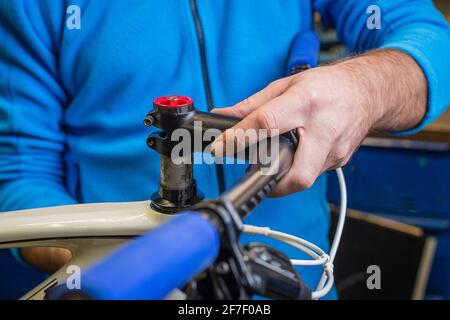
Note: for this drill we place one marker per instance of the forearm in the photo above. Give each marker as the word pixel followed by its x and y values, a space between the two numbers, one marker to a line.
pixel 392 86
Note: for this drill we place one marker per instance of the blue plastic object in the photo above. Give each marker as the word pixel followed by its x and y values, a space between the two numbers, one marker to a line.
pixel 304 51
pixel 156 263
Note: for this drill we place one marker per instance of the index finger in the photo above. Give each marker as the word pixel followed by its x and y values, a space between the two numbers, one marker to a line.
pixel 277 116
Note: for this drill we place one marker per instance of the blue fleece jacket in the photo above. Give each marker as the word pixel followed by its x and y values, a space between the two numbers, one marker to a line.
pixel 72 100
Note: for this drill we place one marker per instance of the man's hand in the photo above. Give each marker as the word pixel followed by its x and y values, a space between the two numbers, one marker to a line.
pixel 333 108
pixel 47 260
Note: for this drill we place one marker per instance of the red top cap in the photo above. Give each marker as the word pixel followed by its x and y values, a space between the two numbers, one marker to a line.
pixel 173 101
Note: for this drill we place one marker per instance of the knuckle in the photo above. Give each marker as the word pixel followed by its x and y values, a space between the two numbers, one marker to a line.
pixel 304 181
pixel 235 112
pixel 311 94
pixel 340 154
pixel 345 161
pixel 307 100
pixel 277 84
pixel 247 103
pixel 312 99
pixel 267 120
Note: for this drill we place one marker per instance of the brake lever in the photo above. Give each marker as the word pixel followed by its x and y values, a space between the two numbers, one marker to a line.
pixel 241 272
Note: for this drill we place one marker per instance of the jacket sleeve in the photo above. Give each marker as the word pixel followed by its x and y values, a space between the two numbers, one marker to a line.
pixel 32 100
pixel 415 27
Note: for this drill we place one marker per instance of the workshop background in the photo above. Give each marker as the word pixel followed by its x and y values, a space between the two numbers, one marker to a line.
pixel 399 219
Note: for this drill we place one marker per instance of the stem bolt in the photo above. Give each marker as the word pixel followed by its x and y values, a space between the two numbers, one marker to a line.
pixel 149 121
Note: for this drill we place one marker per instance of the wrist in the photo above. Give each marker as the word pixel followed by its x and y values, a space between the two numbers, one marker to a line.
pixel 392 87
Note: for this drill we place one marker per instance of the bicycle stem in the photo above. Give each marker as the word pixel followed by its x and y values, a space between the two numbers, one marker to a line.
pixel 178 189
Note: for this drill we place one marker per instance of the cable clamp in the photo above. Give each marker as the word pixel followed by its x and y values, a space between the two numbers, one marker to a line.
pixel 328 265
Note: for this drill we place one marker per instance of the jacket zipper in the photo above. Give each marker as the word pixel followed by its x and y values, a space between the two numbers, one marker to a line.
pixel 206 81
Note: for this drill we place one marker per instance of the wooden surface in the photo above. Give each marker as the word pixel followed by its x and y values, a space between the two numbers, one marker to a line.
pixel 438 131
pixel 442 125
pixel 444 6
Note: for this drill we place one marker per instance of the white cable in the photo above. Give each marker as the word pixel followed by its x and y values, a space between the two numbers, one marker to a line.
pixel 312 250
pixel 329 285
pixel 304 263
pixel 317 254
pixel 342 214
pixel 340 224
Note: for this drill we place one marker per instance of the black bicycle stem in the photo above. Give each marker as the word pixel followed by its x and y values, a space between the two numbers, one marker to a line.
pixel 177 188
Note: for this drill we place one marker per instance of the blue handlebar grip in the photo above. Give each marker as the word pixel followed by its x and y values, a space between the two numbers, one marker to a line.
pixel 153 265
pixel 304 51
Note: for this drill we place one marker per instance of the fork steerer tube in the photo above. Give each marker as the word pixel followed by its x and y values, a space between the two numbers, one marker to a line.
pixel 175 176
pixel 177 188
